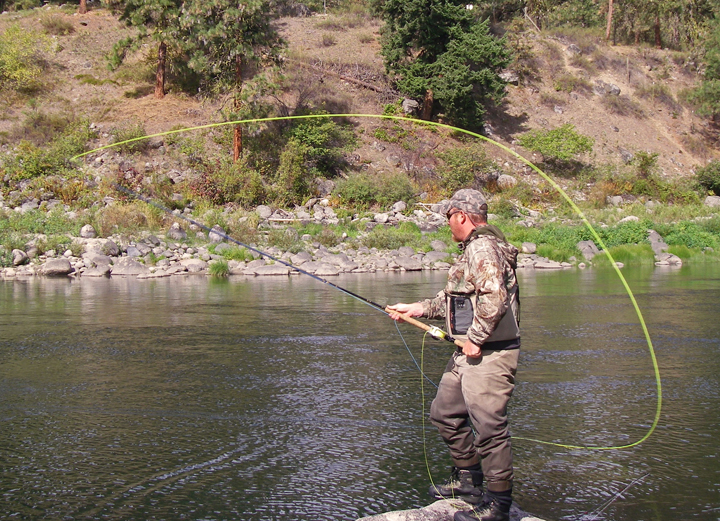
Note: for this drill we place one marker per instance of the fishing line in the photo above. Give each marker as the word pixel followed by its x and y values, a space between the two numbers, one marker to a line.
pixel 513 153
pixel 595 513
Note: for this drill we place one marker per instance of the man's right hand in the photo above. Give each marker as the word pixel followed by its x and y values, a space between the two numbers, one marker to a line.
pixel 412 310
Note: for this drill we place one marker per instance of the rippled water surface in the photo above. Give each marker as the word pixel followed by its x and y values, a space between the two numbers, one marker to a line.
pixel 263 399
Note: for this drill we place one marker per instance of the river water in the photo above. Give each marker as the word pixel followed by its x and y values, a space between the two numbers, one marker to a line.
pixel 265 399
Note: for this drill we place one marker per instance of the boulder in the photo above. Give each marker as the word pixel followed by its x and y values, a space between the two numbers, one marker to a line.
pixel 270 269
pixel 217 234
pixel 505 181
pixel 629 218
pixel 56 268
pixel 668 259
pixel 102 270
pixel 192 265
pixel 529 247
pixel 264 211
pixel 129 267
pixel 176 232
pixel 102 246
pixel 588 249
pixel 19 257
pixel 399 207
pixel 438 245
pixel 442 510
pixel 410 106
pixel 408 263
pixel 712 201
pixel 657 243
pixel 88 232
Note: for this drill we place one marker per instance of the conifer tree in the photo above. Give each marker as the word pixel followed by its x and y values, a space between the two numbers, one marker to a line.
pixel 157 20
pixel 441 53
pixel 227 39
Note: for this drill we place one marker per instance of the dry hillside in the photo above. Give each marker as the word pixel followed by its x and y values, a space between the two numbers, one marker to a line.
pixel 335 61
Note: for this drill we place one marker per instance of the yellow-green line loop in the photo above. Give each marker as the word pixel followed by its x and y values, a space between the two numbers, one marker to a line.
pixel 542 174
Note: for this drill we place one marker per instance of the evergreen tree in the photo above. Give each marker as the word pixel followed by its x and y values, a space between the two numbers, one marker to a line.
pixel 707 94
pixel 226 40
pixel 157 20
pixel 441 53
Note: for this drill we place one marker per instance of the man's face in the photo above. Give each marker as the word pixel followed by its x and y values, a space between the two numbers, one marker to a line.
pixel 454 220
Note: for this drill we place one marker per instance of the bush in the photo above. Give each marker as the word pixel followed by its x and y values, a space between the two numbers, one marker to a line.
pixel 229 182
pixel 131 139
pixel 366 190
pixel 563 143
pixel 466 167
pixel 56 24
pixel 708 177
pixel 21 58
pixel 392 238
pixel 219 268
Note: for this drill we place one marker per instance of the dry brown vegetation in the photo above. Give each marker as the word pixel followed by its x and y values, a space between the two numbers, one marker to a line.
pixel 335 60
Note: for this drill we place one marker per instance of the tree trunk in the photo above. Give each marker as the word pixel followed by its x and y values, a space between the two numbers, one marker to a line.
pixel 237 134
pixel 160 74
pixel 83 7
pixel 609 19
pixel 428 103
pixel 658 39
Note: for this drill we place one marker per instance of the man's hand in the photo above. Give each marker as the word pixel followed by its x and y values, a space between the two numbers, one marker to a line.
pixel 412 310
pixel 472 350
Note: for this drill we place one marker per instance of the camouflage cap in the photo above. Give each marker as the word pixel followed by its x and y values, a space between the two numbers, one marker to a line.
pixel 467 200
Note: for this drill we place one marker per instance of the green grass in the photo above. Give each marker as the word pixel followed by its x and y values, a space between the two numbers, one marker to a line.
pixel 219 268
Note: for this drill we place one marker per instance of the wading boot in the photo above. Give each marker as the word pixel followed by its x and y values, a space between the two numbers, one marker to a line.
pixel 495 507
pixel 463 484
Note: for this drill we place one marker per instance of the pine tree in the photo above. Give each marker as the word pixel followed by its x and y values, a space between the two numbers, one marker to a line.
pixel 442 54
pixel 158 20
pixel 227 39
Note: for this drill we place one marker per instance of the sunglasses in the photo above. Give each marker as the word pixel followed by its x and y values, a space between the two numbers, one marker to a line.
pixel 450 214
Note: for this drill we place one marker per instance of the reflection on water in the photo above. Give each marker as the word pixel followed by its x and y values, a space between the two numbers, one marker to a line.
pixel 259 399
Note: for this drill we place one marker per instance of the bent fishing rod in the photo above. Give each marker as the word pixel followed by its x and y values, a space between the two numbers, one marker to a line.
pixel 433 331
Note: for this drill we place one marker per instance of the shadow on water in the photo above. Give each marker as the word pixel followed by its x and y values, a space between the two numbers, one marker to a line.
pixel 270 398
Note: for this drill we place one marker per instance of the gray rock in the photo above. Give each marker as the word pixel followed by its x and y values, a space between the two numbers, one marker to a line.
pixel 99 271
pixel 300 258
pixel 406 251
pixel 588 249
pixel 399 207
pixel 19 257
pixel 510 77
pixel 505 181
pixel 408 263
pixel 669 258
pixel 393 160
pixel 629 218
pixel 615 200
pixel 56 268
pixel 176 232
pixel 264 211
pixel 102 246
pixel 410 106
pixel 192 265
pixel 96 259
pixel 548 265
pixel 326 270
pixel 529 247
pixel 88 232
pixel 129 267
pixel 324 187
pixel 712 201
pixel 432 257
pixel 626 155
pixel 442 510
pixel 217 234
pixel 438 245
pixel 381 218
pixel 657 243
pixel 270 269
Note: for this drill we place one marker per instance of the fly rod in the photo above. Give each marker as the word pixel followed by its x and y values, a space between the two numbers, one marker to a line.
pixel 433 331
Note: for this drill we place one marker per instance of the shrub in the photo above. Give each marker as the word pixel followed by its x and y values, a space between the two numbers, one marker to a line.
pixel 392 238
pixel 709 177
pixel 131 139
pixel 21 57
pixel 563 143
pixel 237 253
pixel 327 40
pixel 570 83
pixel 56 24
pixel 623 106
pixel 366 189
pixel 645 163
pixel 466 167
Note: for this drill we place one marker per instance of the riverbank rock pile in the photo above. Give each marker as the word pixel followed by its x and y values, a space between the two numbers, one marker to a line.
pixel 442 510
pixel 149 256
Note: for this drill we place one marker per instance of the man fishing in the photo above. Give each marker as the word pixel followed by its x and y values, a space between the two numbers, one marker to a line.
pixel 480 304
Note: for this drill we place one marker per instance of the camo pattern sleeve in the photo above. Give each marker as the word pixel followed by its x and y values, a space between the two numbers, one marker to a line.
pixel 435 307
pixel 486 272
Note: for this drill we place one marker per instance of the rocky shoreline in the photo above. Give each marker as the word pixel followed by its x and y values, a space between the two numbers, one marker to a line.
pixel 149 256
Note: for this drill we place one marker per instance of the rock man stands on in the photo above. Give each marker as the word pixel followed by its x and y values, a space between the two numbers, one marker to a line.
pixel 480 304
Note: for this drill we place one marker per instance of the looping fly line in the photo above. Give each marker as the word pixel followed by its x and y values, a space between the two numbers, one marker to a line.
pixel 542 174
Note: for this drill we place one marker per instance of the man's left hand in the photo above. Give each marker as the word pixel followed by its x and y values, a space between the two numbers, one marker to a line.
pixel 472 350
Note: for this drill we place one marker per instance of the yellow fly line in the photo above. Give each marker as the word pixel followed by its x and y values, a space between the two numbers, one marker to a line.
pixel 542 174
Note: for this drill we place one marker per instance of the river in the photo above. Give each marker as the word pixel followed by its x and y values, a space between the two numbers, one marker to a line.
pixel 269 399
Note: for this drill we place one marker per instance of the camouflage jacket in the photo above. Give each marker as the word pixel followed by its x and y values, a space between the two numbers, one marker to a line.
pixel 486 269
